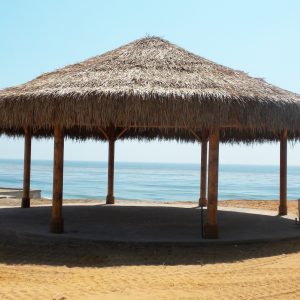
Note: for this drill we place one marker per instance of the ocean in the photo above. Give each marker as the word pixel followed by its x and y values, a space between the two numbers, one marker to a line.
pixel 152 181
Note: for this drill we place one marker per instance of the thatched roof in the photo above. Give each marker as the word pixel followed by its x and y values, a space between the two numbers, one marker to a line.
pixel 150 83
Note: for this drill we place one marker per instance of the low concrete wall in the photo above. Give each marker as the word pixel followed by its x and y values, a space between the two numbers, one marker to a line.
pixel 18 193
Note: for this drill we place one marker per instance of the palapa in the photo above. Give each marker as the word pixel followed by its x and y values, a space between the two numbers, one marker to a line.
pixel 156 90
pixel 150 89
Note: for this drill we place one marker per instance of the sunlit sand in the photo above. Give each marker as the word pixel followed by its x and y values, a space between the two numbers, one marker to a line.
pixel 42 268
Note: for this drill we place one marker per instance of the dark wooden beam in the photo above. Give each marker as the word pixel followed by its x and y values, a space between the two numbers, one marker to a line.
pixel 111 133
pixel 110 199
pixel 121 133
pixel 283 174
pixel 193 130
pixel 56 223
pixel 203 176
pixel 211 227
pixel 27 163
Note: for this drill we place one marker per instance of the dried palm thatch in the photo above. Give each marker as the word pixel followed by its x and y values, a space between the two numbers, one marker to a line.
pixel 156 90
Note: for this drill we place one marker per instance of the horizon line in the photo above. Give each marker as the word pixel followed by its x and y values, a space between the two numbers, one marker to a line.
pixel 148 162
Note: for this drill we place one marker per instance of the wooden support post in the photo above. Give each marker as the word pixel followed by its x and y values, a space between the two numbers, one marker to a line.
pixel 27 162
pixel 211 227
pixel 203 198
pixel 110 199
pixel 56 223
pixel 283 174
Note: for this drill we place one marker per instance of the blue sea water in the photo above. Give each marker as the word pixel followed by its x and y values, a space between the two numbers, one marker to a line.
pixel 152 181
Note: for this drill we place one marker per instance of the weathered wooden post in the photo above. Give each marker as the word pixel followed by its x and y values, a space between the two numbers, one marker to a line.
pixel 283 174
pixel 110 199
pixel 299 211
pixel 203 198
pixel 111 134
pixel 56 222
pixel 211 227
pixel 27 163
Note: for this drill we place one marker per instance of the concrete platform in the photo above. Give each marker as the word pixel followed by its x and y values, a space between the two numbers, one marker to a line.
pixel 149 224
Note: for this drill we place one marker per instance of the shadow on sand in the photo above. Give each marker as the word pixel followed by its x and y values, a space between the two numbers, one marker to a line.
pixel 99 236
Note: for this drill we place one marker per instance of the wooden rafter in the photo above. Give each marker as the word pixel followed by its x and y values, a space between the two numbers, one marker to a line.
pixel 121 133
pixel 104 133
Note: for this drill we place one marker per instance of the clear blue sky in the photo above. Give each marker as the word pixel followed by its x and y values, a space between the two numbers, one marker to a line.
pixel 259 37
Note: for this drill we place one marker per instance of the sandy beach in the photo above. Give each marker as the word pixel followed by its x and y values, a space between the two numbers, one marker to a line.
pixel 255 204
pixel 39 268
pixel 183 103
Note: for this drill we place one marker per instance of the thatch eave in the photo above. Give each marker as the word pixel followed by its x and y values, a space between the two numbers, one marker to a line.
pixel 227 135
pixel 136 110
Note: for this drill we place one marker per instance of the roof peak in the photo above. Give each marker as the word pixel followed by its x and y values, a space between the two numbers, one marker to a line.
pixel 152 38
pixel 156 40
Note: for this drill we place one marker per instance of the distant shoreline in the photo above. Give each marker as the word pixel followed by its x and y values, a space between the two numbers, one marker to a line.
pixel 145 162
pixel 270 205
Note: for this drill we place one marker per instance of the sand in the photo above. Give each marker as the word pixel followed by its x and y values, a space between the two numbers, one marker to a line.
pixel 39 268
pixel 256 204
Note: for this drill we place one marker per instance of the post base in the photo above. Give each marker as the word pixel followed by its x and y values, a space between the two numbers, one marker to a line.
pixel 110 199
pixel 25 202
pixel 211 231
pixel 56 225
pixel 202 202
pixel 282 210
